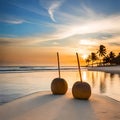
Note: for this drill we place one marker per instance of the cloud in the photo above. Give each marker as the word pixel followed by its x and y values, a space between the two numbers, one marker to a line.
pixel 7 35
pixel 115 44
pixel 11 19
pixel 76 25
pixel 46 8
pixel 73 28
pixel 4 42
pixel 14 19
pixel 51 10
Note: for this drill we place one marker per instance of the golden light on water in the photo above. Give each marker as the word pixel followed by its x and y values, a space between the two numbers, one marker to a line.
pixel 84 76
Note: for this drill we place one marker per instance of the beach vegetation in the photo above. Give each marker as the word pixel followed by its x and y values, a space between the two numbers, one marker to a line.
pixel 101 52
pixel 106 60
pixel 88 59
pixel 116 60
pixel 111 57
pixel 103 57
pixel 93 57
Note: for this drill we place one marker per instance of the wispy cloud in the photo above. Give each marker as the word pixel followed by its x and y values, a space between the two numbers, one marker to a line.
pixel 55 5
pixel 74 28
pixel 7 35
pixel 46 8
pixel 88 24
pixel 12 21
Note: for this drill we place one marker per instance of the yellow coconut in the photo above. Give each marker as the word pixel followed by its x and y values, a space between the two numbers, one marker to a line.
pixel 59 86
pixel 81 90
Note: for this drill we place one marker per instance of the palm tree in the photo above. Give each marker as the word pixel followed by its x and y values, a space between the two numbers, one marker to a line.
pixel 106 59
pixel 117 59
pixel 93 57
pixel 101 52
pixel 88 60
pixel 111 56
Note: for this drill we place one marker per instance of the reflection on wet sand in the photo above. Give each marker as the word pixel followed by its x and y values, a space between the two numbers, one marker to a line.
pixel 18 84
pixel 102 83
pixel 93 80
pixel 111 78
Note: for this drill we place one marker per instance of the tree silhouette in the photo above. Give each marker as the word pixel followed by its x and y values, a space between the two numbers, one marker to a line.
pixel 117 59
pixel 88 60
pixel 106 59
pixel 101 52
pixel 93 57
pixel 111 57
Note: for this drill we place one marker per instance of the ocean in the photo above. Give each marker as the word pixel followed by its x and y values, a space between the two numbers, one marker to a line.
pixel 19 81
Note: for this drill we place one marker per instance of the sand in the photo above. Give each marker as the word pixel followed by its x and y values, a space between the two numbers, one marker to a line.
pixel 109 69
pixel 45 106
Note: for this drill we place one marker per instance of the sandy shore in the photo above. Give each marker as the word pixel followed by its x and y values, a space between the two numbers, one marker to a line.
pixel 109 69
pixel 45 106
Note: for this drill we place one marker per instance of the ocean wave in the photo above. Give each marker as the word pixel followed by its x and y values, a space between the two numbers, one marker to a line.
pixel 9 69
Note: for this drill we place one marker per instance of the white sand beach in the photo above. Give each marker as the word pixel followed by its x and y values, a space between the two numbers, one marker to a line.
pixel 45 106
pixel 109 69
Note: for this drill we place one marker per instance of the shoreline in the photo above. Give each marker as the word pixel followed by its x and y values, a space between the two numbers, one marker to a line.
pixel 42 106
pixel 107 69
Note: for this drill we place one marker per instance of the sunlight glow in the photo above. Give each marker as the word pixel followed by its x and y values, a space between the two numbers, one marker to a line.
pixel 84 76
pixel 87 42
pixel 49 26
pixel 84 56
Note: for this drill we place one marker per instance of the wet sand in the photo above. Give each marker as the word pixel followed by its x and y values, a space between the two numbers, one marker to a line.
pixel 45 106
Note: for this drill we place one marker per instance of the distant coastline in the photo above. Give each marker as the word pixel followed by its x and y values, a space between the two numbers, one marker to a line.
pixel 108 69
pixel 11 69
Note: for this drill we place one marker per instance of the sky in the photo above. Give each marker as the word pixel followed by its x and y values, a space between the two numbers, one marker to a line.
pixel 32 31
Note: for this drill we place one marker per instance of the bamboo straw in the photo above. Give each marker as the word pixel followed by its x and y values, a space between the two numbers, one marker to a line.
pixel 79 67
pixel 58 64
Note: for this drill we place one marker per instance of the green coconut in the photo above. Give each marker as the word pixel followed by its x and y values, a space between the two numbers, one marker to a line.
pixel 81 90
pixel 59 86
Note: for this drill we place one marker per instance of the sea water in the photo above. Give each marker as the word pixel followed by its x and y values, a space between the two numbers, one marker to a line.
pixel 18 81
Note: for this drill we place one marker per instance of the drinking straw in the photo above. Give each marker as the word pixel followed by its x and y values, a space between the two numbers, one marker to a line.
pixel 79 67
pixel 58 64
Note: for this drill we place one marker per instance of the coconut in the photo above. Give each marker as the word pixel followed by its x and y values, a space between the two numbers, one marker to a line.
pixel 81 90
pixel 59 86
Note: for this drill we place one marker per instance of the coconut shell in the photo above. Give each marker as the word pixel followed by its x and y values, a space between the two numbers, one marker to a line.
pixel 59 86
pixel 81 90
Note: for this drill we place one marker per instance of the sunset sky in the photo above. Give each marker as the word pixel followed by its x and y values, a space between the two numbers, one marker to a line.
pixel 32 31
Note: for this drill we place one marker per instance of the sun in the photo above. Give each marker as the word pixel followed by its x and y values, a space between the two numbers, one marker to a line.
pixel 84 56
